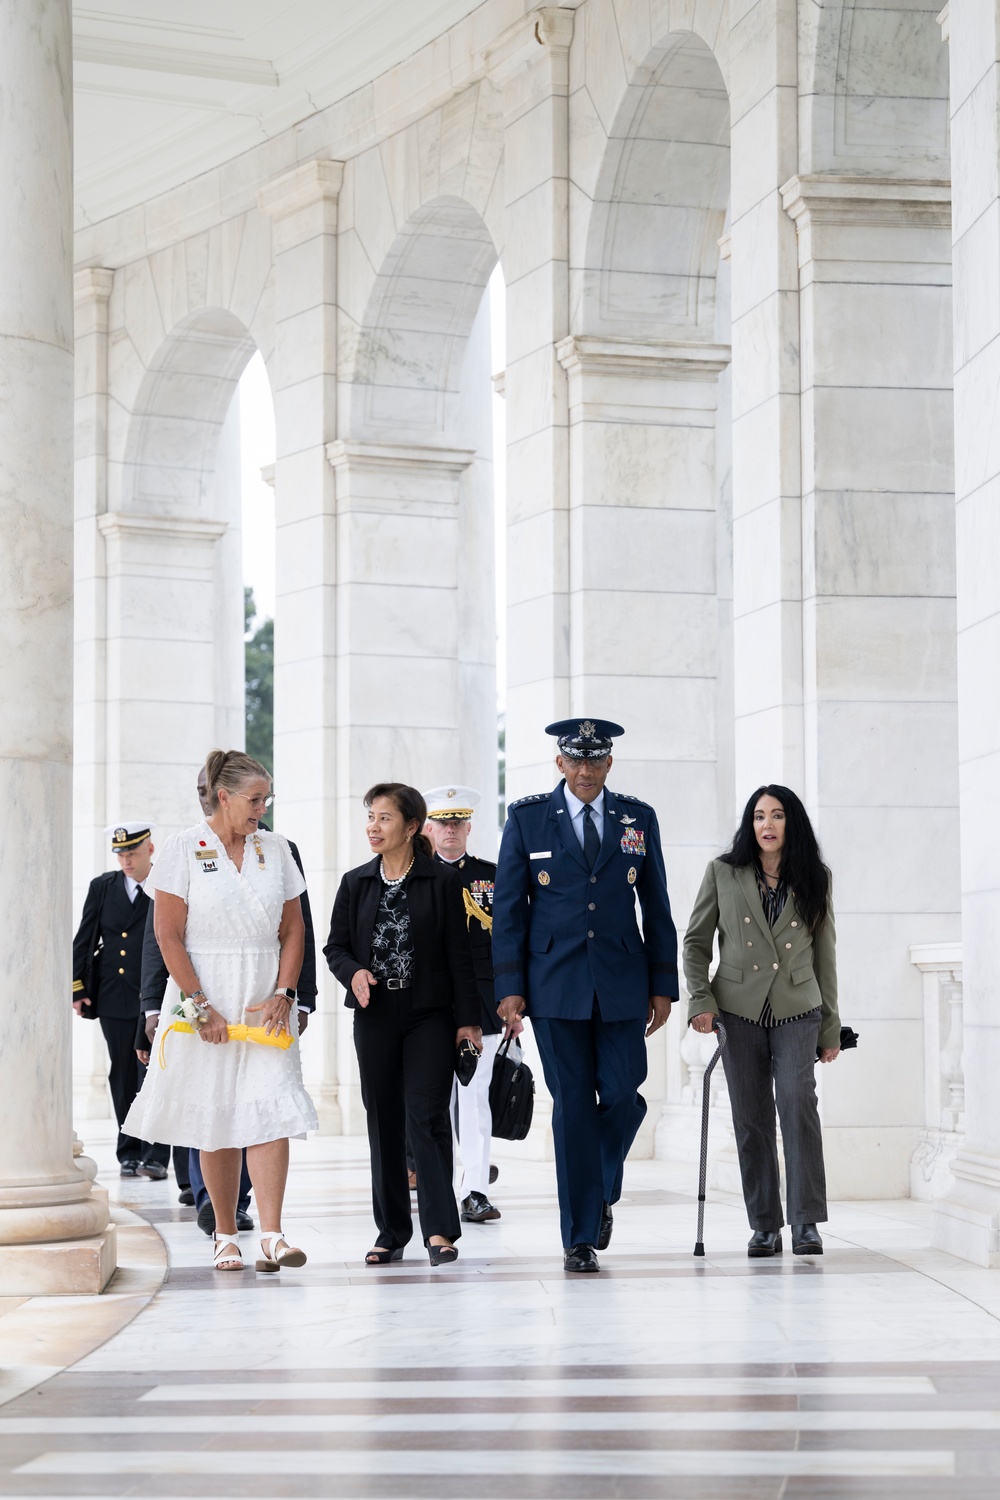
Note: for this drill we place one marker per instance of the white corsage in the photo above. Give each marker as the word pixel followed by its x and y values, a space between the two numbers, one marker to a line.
pixel 189 1010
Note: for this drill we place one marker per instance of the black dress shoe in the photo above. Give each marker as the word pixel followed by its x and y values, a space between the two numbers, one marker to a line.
pixel 494 1174
pixel 129 1169
pixel 581 1258
pixel 243 1220
pixel 153 1169
pixel 607 1224
pixel 764 1242
pixel 806 1240
pixel 477 1208
pixel 186 1197
pixel 206 1217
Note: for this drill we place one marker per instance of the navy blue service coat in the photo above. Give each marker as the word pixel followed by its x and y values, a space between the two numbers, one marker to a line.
pixel 562 934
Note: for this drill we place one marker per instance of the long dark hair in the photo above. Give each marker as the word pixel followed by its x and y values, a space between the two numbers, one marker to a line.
pixel 408 801
pixel 802 867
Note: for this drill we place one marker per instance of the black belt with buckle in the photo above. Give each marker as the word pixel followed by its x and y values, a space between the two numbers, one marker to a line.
pixel 398 984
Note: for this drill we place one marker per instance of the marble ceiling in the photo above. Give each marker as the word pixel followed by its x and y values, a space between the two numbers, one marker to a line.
pixel 166 89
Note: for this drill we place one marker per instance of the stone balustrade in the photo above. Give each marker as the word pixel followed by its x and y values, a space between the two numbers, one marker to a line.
pixel 940 965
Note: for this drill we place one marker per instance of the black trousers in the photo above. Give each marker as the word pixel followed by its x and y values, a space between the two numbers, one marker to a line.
pixel 407 1061
pixel 125 1080
pixel 764 1064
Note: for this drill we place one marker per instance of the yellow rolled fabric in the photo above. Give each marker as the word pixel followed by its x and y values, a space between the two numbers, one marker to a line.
pixel 240 1033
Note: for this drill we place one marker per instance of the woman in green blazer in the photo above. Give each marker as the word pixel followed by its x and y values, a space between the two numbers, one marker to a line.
pixel 769 900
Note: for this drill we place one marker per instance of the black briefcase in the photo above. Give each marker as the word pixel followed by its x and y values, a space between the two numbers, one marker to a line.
pixel 512 1094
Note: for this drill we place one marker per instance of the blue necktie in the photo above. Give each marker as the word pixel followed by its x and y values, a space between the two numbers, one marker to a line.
pixel 591 839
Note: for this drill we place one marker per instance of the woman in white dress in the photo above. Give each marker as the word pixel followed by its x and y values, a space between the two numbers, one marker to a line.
pixel 229 924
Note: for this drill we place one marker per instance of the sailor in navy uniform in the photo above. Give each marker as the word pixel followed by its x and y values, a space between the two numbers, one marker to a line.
pixel 107 962
pixel 567 952
pixel 449 823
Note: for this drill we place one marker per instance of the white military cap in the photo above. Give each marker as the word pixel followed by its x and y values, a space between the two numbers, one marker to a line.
pixel 127 835
pixel 447 802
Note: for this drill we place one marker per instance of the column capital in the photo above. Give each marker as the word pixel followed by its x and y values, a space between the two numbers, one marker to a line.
pixel 542 36
pixel 312 185
pixel 118 524
pixel 92 283
pixel 391 478
pixel 92 287
pixel 877 201
pixel 352 453
pixel 645 359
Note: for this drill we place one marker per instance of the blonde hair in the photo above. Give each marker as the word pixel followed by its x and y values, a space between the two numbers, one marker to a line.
pixel 231 769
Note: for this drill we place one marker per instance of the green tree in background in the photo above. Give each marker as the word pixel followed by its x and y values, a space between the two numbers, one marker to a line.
pixel 259 682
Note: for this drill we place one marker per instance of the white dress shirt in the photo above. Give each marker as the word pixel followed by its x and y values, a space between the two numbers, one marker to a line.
pixel 132 887
pixel 575 809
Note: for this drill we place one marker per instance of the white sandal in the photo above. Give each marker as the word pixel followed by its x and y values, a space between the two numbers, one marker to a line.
pixel 272 1259
pixel 228 1255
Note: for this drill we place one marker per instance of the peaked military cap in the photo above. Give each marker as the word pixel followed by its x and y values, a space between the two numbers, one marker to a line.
pixel 126 836
pixel 447 803
pixel 585 739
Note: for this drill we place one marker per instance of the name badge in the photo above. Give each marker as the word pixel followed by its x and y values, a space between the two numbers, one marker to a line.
pixel 206 854
pixel 541 854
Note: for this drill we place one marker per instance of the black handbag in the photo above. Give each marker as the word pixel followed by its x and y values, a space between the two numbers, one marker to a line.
pixel 512 1094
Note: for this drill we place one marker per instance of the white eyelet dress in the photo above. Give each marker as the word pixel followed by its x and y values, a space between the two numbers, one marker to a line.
pixel 237 1093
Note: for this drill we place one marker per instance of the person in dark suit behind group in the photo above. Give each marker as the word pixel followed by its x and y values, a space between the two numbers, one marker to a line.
pixel 107 959
pixel 399 945
pixel 567 949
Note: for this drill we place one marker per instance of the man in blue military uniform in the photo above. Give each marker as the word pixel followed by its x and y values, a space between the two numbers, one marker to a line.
pixel 567 951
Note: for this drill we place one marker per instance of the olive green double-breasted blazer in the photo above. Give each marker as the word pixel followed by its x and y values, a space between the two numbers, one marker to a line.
pixel 783 964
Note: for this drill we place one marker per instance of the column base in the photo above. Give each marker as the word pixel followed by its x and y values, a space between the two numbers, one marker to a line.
pixel 59 1268
pixel 331 1121
pixel 966 1221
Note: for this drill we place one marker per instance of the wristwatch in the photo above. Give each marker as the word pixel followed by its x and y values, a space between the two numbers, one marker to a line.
pixel 286 994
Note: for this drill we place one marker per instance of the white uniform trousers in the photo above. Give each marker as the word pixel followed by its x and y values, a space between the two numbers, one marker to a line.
pixel 475 1123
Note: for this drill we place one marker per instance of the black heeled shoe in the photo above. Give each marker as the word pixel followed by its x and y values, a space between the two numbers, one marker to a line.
pixel 381 1256
pixel 806 1240
pixel 764 1242
pixel 441 1255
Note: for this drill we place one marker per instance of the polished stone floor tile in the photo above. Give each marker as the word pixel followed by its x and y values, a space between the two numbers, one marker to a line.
pixel 872 1373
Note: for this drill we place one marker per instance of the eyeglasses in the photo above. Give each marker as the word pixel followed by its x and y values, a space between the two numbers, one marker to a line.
pixel 257 801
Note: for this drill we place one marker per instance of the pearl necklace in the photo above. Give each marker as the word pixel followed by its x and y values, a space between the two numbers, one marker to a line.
pixel 399 878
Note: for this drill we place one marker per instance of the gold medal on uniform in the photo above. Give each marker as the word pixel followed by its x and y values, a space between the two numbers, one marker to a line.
pixel 544 877
pixel 631 875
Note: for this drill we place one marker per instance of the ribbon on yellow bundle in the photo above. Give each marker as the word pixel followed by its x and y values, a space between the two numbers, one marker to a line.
pixel 473 909
pixel 238 1033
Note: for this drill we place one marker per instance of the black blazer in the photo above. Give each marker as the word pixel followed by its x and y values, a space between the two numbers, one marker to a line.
pixel 107 949
pixel 444 977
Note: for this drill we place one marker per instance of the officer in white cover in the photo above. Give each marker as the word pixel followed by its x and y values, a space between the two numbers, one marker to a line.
pixel 449 824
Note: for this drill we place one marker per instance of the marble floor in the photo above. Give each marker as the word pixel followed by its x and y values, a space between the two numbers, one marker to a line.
pixel 874 1371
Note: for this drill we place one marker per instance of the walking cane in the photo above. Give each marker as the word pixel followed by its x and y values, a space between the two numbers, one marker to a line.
pixel 706 1095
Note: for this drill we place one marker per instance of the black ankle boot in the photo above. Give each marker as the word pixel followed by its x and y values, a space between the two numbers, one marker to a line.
pixel 806 1240
pixel 764 1242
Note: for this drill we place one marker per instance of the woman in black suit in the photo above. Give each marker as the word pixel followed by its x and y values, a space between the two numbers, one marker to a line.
pixel 398 943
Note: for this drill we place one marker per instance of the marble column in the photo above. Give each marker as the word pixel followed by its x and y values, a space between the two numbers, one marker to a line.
pixel 967 1221
pixel 642 545
pixel 399 509
pixel 54 1233
pixel 767 562
pixel 878 629
pixel 302 206
pixel 162 581
pixel 92 291
pixel 530 66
